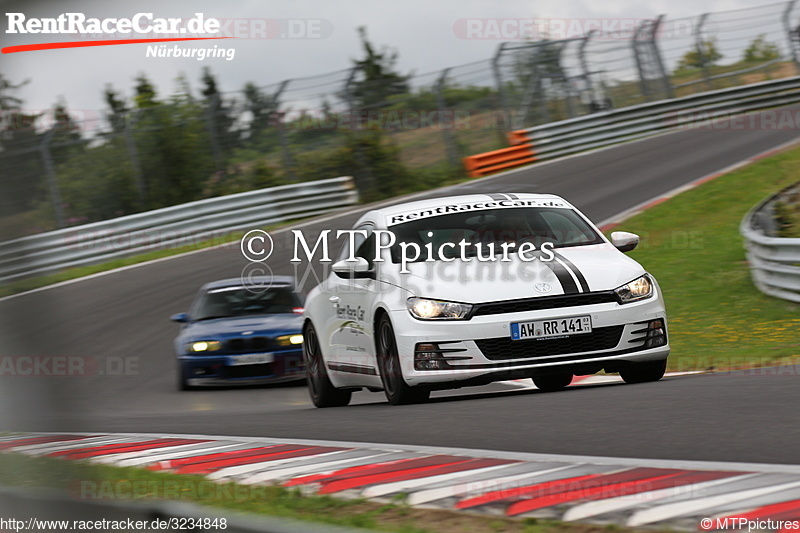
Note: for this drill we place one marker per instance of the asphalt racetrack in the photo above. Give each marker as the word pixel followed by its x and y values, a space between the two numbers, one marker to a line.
pixel 120 323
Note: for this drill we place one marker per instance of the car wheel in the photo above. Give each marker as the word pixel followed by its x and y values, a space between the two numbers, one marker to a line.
pixel 644 372
pixel 397 391
pixel 553 382
pixel 183 381
pixel 320 388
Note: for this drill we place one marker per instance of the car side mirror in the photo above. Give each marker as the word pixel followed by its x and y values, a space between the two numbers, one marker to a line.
pixel 180 317
pixel 352 269
pixel 624 241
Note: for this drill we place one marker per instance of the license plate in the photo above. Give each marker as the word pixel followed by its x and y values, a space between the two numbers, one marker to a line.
pixel 543 329
pixel 251 359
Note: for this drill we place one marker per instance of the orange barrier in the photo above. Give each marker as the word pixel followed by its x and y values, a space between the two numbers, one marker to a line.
pixel 488 162
pixel 517 137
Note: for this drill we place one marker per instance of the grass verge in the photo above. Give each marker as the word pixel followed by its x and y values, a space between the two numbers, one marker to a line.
pixel 691 243
pixel 85 481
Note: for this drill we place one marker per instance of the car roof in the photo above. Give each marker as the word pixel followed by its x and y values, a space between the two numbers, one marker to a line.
pixel 260 281
pixel 464 198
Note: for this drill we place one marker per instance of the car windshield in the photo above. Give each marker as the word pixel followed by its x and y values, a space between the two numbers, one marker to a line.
pixel 537 225
pixel 223 302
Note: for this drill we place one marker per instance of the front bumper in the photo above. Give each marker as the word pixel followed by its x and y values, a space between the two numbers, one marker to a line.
pixel 216 370
pixel 480 350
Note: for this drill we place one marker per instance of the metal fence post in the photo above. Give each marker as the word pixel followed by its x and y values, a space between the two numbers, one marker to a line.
pixel 366 183
pixel 792 34
pixel 52 183
pixel 283 136
pixel 637 58
pixel 666 85
pixel 449 136
pixel 211 124
pixel 138 175
pixel 699 45
pixel 501 95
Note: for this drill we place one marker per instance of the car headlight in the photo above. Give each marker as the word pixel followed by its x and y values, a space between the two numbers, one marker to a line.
pixel 204 346
pixel 638 289
pixel 289 340
pixel 437 310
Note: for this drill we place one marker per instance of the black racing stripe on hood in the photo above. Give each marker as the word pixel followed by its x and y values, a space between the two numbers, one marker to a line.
pixel 568 284
pixel 575 270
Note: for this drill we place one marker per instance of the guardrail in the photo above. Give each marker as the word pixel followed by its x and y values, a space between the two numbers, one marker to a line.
pixel 704 110
pixel 611 127
pixel 774 261
pixel 172 226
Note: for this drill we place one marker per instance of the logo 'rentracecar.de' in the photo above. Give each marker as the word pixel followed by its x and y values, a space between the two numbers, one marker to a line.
pixel 139 23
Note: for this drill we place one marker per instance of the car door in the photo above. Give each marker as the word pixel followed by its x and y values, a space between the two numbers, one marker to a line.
pixel 352 297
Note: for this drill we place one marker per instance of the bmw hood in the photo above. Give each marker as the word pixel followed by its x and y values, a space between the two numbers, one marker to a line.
pixel 574 270
pixel 277 324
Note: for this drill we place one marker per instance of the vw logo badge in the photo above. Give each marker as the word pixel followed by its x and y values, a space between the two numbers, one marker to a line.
pixel 542 287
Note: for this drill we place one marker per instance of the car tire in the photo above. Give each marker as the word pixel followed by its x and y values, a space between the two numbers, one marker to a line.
pixel 553 382
pixel 644 372
pixel 320 388
pixel 397 391
pixel 183 381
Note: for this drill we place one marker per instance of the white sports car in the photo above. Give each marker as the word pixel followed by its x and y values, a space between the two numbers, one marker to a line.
pixel 468 290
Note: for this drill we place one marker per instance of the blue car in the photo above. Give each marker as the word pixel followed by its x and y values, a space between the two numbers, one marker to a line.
pixel 241 335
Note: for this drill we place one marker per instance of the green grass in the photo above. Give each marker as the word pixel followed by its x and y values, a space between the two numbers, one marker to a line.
pixel 93 482
pixel 691 243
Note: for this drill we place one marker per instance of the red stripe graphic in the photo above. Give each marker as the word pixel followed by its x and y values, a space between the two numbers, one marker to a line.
pixel 124 447
pixel 208 458
pixel 207 468
pixel 81 44
pixel 414 473
pixel 405 465
pixel 580 483
pixel 602 491
pixel 41 440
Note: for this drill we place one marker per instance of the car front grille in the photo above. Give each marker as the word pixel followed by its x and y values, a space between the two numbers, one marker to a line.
pixel 543 302
pixel 249 371
pixel 503 348
pixel 249 344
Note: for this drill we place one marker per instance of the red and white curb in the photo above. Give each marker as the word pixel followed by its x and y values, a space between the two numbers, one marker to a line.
pixel 628 492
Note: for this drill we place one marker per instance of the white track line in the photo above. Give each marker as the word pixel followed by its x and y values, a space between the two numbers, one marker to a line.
pixel 498 454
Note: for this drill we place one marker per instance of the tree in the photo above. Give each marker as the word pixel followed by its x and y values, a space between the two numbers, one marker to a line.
pixel 262 107
pixel 761 51
pixel 379 80
pixel 693 60
pixel 145 93
pixel 117 106
pixel 21 172
pixel 220 112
